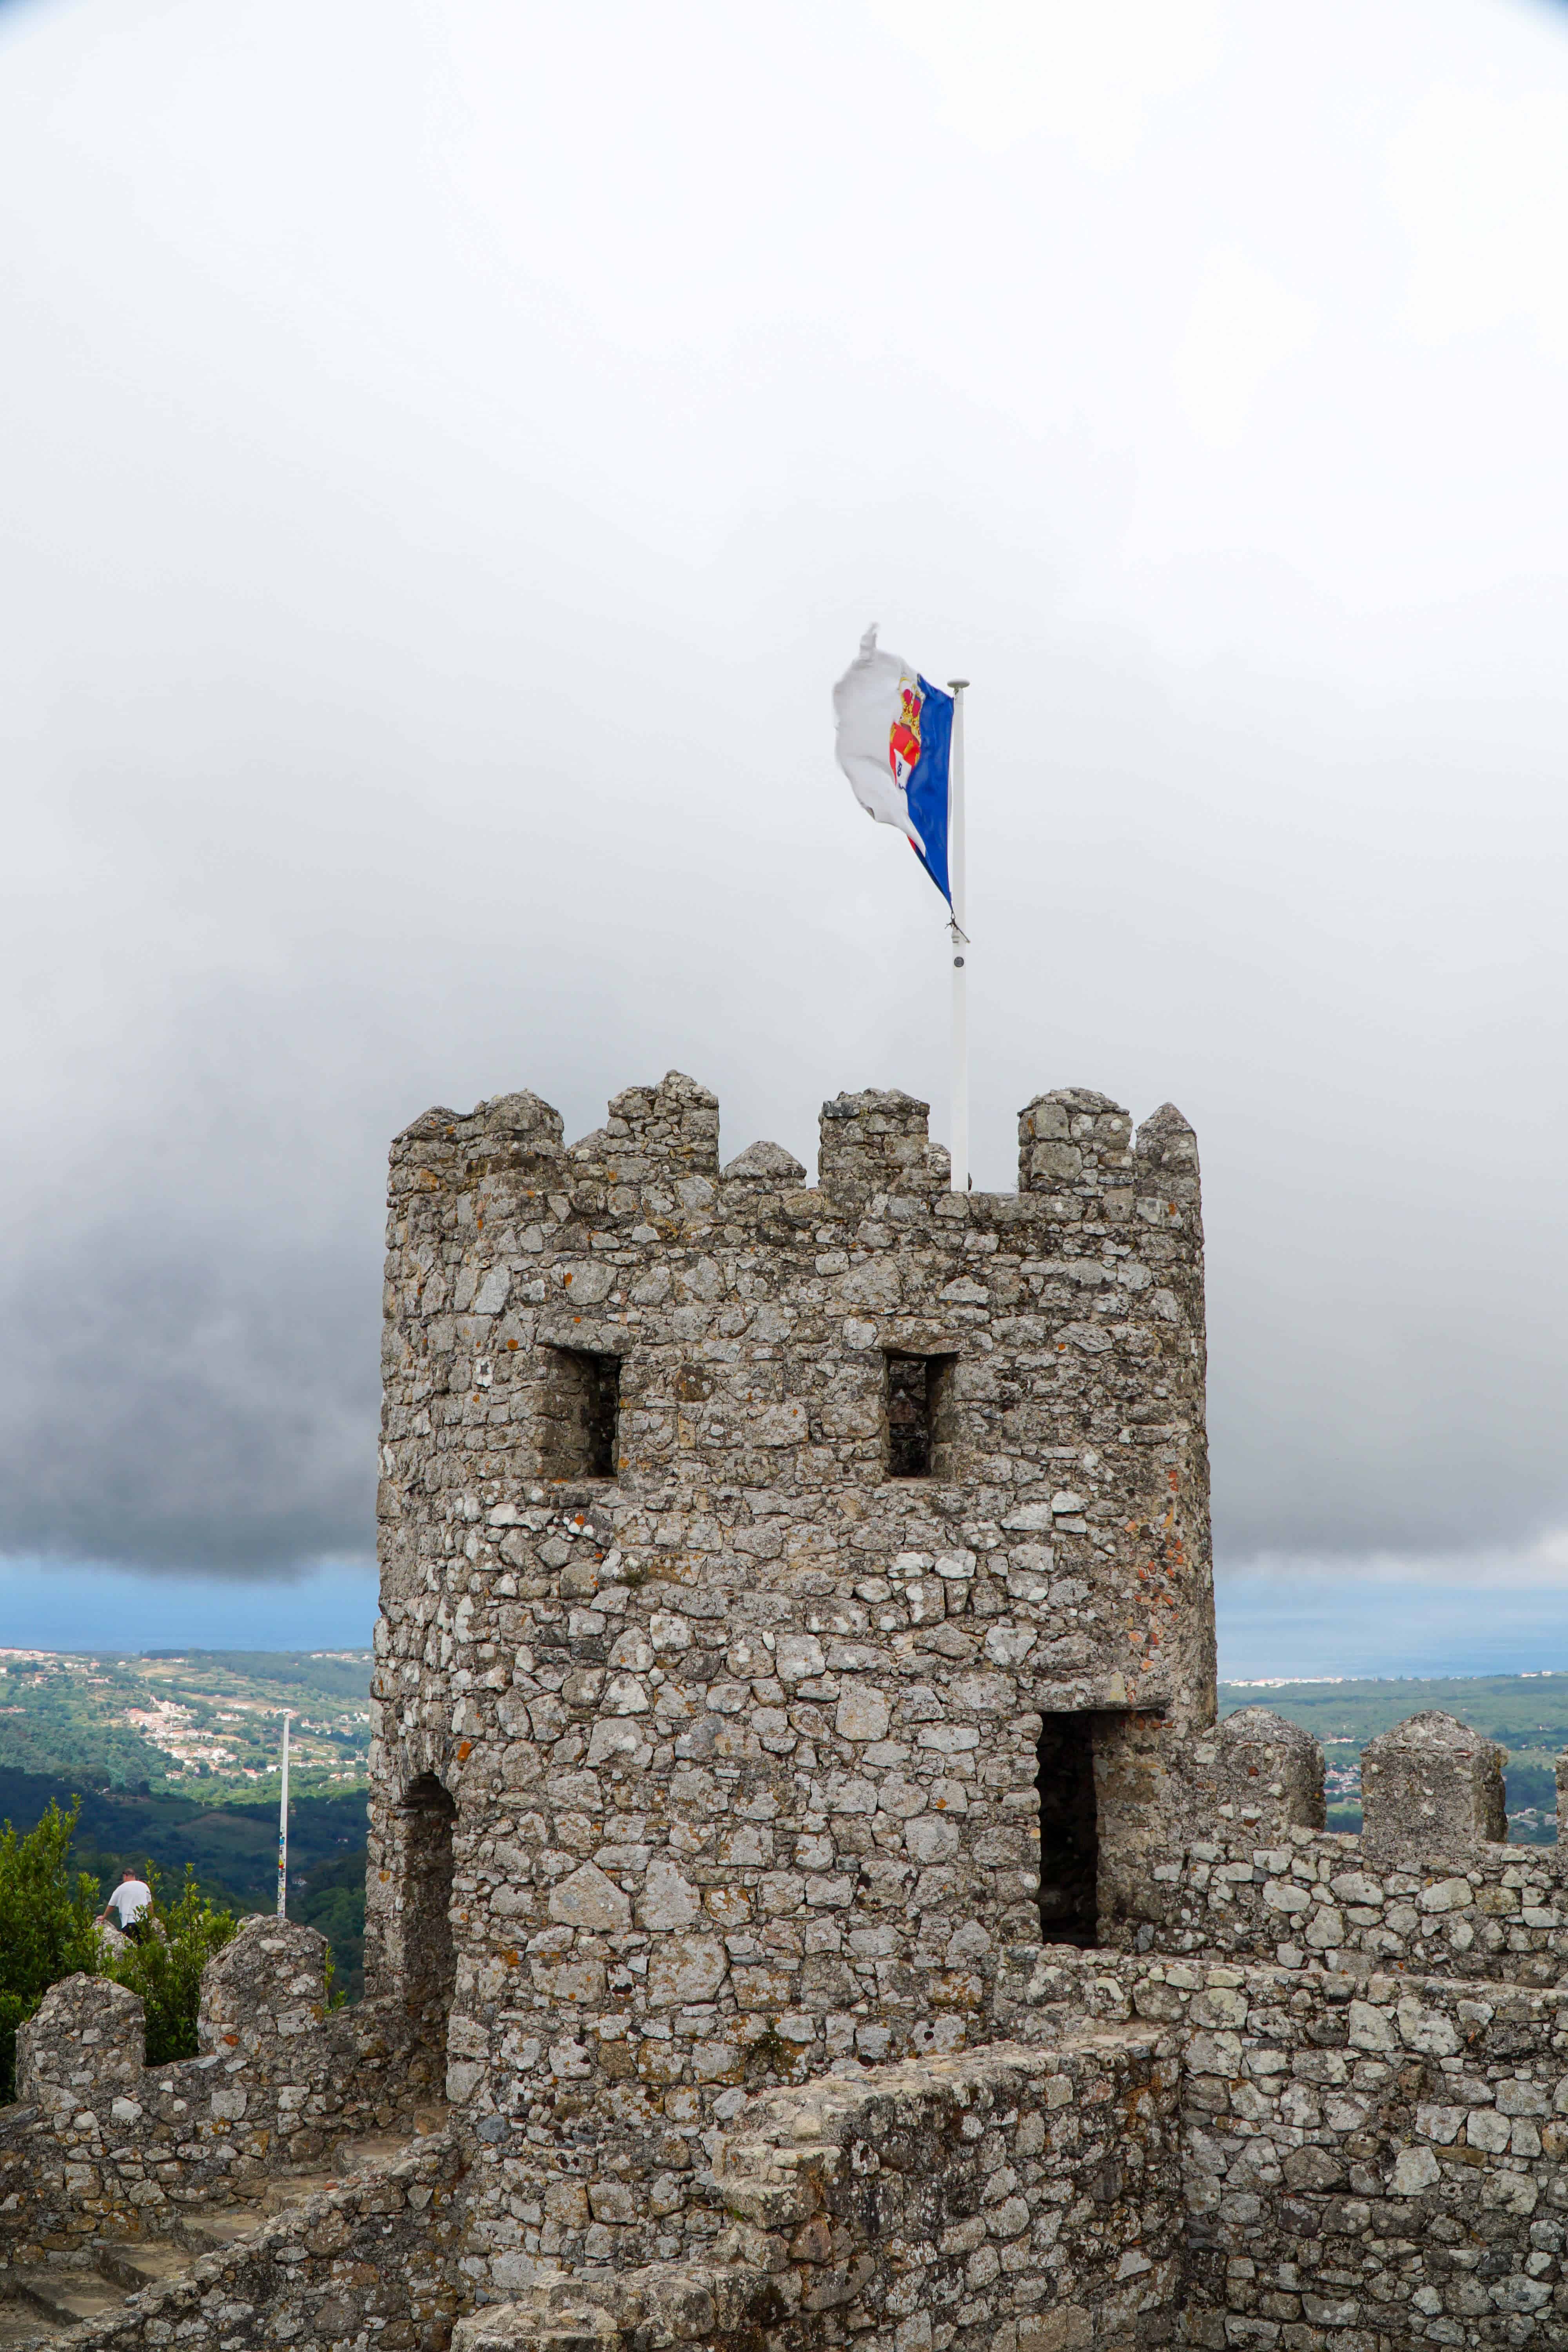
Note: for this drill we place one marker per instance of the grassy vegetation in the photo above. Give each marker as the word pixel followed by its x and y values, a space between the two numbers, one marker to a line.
pixel 1526 1714
pixel 47 1911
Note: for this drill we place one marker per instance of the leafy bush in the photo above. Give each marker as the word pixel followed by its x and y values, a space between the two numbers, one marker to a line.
pixel 46 1925
pixel 165 1969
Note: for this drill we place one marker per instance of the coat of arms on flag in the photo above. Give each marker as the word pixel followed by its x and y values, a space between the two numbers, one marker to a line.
pixel 894 737
pixel 904 736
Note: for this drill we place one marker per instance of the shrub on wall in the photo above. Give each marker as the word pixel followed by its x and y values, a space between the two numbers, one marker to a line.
pixel 47 1927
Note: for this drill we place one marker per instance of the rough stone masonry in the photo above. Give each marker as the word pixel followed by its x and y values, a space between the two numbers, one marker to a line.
pixel 743 1542
pixel 801 1837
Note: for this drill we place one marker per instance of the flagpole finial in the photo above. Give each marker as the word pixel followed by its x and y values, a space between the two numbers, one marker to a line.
pixel 869 642
pixel 957 685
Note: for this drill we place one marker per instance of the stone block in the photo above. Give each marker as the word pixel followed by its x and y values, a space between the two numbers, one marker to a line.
pixel 262 1989
pixel 1073 1140
pixel 1432 1789
pixel 672 1129
pixel 1270 1772
pixel 765 1164
pixel 878 1141
pixel 85 2041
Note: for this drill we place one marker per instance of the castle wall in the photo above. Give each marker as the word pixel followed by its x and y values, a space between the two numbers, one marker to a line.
pixel 1430 1884
pixel 368 2262
pixel 1009 2200
pixel 1367 2163
pixel 1371 2163
pixel 741 1738
pixel 99 2143
pixel 1316 1900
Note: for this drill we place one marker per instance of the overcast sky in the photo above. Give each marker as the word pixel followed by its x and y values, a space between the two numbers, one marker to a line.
pixel 448 450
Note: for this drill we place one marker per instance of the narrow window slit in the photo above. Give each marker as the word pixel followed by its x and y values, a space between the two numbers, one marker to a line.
pixel 1069 1832
pixel 920 1391
pixel 582 1414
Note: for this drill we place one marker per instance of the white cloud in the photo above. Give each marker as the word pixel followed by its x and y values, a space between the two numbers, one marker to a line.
pixel 1479 182
pixel 1091 75
pixel 1243 325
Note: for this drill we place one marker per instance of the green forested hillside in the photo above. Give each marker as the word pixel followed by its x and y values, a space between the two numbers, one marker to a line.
pixel 232 1848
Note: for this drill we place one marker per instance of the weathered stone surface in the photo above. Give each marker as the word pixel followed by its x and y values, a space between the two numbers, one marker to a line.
pixel 99 2141
pixel 1323 2189
pixel 1431 1786
pixel 370 2260
pixel 919 2197
pixel 1268 1774
pixel 87 2041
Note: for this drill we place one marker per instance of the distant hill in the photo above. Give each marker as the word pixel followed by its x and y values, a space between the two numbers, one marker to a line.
pixel 198 1722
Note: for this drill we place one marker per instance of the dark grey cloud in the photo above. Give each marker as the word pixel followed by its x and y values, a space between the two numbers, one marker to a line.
pixel 429 528
pixel 191 1399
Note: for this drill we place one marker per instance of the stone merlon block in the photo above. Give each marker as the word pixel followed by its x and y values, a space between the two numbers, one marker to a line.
pixel 263 1984
pixel 1269 1771
pixel 86 2037
pixel 1430 1788
pixel 878 1142
pixel 1074 1142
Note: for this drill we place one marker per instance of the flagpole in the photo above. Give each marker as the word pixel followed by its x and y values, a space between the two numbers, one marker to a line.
pixel 959 1096
pixel 283 1828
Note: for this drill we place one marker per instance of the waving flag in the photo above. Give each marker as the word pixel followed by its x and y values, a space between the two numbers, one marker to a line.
pixel 894 732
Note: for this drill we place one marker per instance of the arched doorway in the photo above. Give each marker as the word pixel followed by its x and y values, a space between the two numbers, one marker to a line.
pixel 428 1958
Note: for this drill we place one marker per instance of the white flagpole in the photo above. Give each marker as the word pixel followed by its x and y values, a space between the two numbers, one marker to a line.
pixel 959 1141
pixel 283 1829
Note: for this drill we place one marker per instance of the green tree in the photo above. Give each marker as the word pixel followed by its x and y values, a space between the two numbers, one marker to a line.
pixel 164 1967
pixel 46 1925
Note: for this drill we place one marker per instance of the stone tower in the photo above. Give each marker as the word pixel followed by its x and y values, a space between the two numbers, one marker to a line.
pixel 791 1596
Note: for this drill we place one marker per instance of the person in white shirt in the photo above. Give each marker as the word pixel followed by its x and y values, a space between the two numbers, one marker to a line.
pixel 130 1901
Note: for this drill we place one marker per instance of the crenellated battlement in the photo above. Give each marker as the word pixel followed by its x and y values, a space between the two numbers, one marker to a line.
pixel 100 2140
pixel 1430 1883
pixel 1076 1153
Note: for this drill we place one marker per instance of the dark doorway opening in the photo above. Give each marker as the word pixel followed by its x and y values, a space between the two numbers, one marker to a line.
pixel 1069 1834
pixel 920 1398
pixel 582 1414
pixel 429 1960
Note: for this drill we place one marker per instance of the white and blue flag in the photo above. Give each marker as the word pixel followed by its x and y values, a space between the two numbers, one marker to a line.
pixel 894 740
